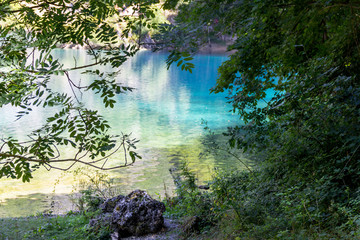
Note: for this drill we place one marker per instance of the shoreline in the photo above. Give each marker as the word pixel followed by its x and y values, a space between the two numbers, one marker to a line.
pixel 212 49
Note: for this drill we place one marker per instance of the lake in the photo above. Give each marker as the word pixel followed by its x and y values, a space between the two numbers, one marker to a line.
pixel 164 112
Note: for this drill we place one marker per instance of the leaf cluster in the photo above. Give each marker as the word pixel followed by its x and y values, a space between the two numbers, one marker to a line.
pixel 29 32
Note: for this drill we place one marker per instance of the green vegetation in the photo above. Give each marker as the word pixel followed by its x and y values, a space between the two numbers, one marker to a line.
pixel 294 82
pixel 70 226
pixel 243 205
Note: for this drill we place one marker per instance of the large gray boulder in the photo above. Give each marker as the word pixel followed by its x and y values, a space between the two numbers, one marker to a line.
pixel 133 215
pixel 138 214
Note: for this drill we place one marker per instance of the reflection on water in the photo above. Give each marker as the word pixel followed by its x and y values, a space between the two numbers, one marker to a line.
pixel 164 111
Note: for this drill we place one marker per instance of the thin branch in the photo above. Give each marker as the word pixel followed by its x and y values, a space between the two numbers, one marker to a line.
pixel 49 162
pixel 105 162
pixel 94 166
pixel 74 160
pixel 353 154
pixel 71 86
pixel 68 69
pixel 237 158
pixel 2 145
pixel 57 150
pixel 124 149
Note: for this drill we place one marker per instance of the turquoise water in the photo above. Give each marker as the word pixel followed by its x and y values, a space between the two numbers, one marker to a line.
pixel 164 112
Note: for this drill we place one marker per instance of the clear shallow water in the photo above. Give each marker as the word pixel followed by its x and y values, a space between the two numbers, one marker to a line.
pixel 164 111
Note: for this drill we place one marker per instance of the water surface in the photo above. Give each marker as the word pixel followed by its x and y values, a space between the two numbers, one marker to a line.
pixel 164 111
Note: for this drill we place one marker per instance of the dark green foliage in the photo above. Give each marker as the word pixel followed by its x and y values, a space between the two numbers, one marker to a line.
pixel 268 208
pixel 294 81
pixel 252 205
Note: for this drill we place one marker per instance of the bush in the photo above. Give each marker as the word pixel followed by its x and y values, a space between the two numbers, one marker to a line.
pixel 190 200
pixel 261 206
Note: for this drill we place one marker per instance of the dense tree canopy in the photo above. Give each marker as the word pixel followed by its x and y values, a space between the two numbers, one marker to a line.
pixel 294 80
pixel 29 31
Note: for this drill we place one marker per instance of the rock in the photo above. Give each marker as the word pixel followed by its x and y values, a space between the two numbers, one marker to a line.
pixel 104 220
pixel 204 187
pixel 69 46
pixel 109 204
pixel 138 214
pixel 114 236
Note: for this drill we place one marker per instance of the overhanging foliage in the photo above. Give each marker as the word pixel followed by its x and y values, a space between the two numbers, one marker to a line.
pixel 29 31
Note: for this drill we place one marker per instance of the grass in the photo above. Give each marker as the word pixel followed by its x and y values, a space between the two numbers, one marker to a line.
pixel 71 226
